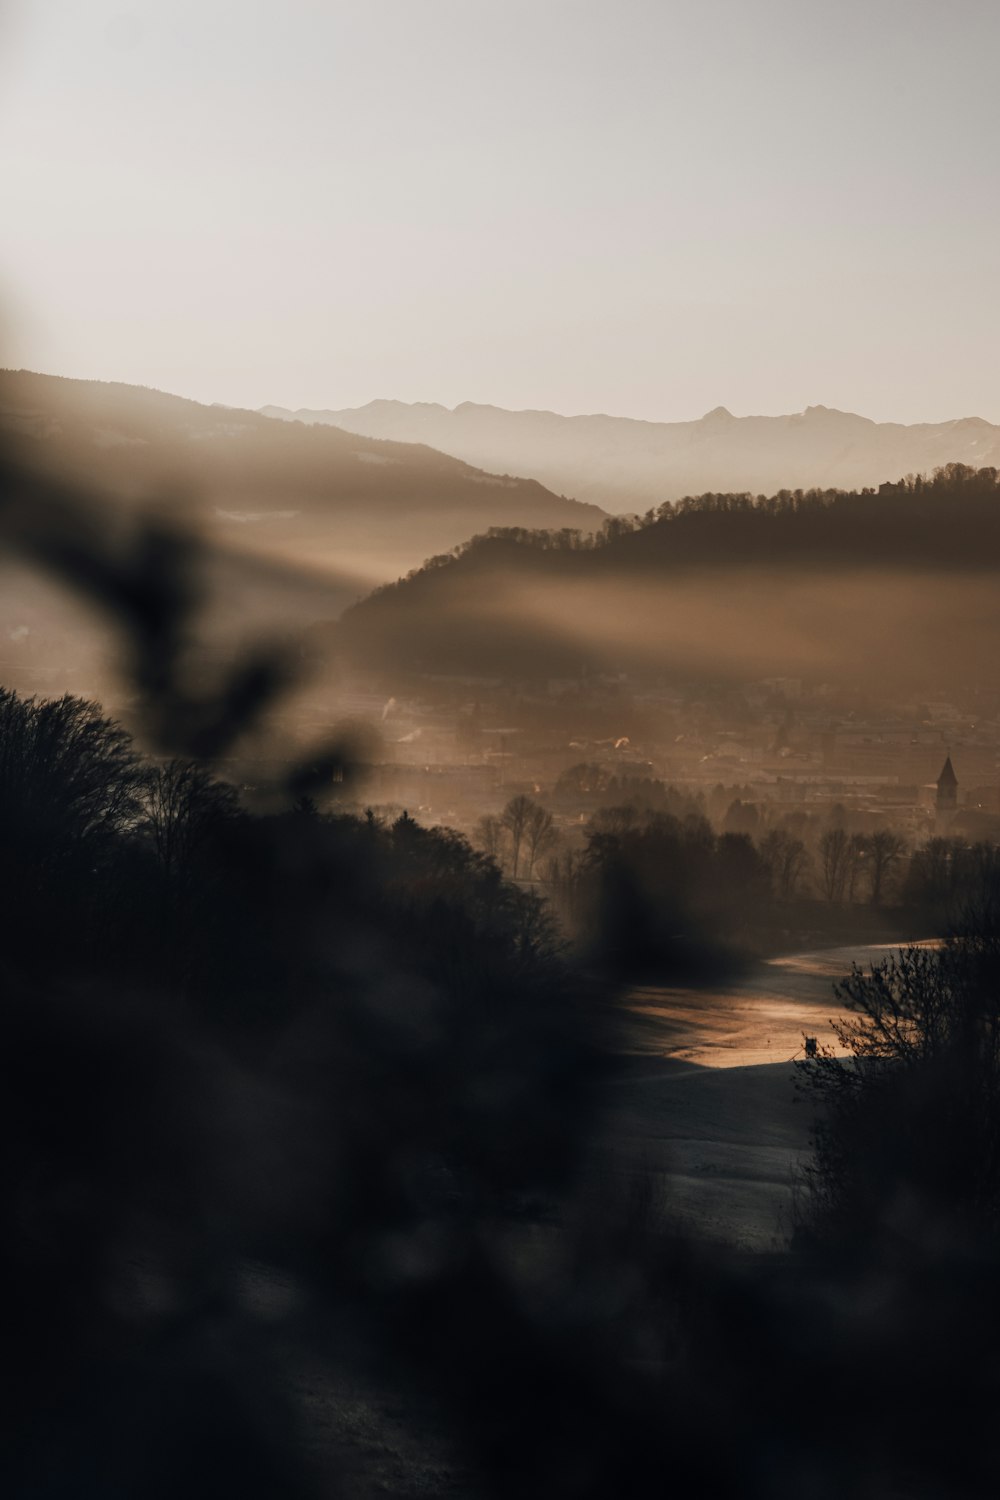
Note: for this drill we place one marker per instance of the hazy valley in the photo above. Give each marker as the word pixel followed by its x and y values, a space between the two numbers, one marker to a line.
pixel 499 905
pixel 500 893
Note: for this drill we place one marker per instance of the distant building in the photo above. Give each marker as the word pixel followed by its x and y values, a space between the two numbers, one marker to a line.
pixel 946 801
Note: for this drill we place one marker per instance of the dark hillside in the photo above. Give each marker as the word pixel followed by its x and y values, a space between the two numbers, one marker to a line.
pixel 310 495
pixel 830 583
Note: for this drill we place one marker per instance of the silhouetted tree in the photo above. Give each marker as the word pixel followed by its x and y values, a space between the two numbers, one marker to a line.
pixel 66 768
pixel 70 786
pixel 539 835
pixel 910 1117
pixel 886 849
pixel 185 808
pixel 833 852
pixel 786 860
pixel 515 819
pixel 617 819
pixel 489 834
pixel 741 817
pixel 953 880
pixel 855 860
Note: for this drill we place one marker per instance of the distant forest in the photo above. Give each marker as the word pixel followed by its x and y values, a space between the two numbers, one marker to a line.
pixel 905 521
pixel 465 611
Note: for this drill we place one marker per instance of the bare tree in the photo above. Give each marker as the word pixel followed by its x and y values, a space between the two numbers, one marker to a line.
pixel 615 820
pixel 786 859
pixel 564 867
pixel 69 780
pixel 855 861
pixel 185 807
pixel 913 1101
pixel 539 835
pixel 886 848
pixel 833 853
pixel 489 837
pixel 514 819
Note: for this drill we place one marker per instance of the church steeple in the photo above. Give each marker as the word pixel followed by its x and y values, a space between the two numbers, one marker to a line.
pixel 947 789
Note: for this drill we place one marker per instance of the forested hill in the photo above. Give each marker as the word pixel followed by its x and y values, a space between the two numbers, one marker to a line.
pixel 307 495
pixel 819 582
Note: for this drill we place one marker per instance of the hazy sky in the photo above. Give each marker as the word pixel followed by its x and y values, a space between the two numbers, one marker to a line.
pixel 648 207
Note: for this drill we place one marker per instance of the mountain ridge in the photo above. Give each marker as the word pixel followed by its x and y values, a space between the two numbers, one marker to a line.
pixel 632 464
pixel 308 494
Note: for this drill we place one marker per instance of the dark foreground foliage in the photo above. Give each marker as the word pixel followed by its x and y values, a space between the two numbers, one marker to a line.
pixel 901 1202
pixel 296 1101
pixel 662 895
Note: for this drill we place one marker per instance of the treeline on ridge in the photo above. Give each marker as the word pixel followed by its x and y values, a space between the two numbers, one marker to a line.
pixel 908 512
pixel 468 611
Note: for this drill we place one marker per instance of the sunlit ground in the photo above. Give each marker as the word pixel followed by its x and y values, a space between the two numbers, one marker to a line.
pixel 760 1019
pixel 706 1096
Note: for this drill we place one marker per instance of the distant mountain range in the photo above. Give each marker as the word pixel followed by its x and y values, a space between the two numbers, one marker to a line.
pixel 627 465
pixel 358 507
